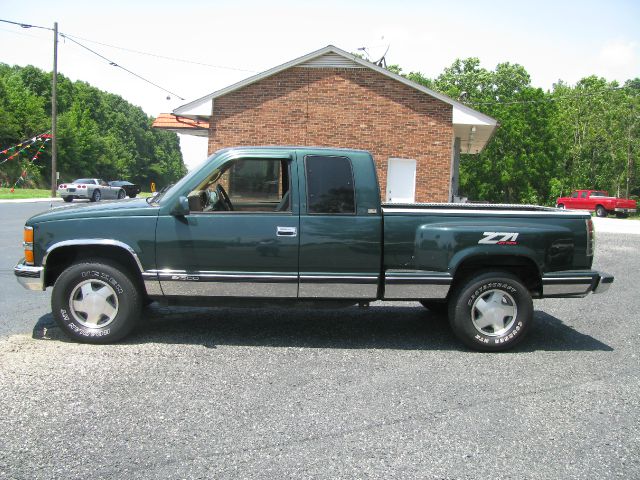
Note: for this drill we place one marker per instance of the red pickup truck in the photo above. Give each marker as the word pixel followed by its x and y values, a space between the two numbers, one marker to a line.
pixel 597 201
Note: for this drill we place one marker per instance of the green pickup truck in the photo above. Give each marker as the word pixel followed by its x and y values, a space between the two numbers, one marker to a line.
pixel 298 225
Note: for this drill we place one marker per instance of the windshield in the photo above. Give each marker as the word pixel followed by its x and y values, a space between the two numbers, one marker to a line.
pixel 158 195
pixel 176 186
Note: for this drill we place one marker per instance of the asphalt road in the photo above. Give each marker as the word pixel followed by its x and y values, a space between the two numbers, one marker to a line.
pixel 357 393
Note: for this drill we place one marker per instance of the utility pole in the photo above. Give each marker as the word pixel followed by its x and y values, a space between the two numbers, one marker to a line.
pixel 54 114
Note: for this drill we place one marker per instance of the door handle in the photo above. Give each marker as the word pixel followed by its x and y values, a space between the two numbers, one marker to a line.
pixel 286 231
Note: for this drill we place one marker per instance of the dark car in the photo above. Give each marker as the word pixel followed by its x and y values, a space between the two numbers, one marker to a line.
pixel 131 189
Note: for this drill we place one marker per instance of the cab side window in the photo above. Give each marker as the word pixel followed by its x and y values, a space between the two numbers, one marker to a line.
pixel 574 195
pixel 583 195
pixel 245 185
pixel 330 186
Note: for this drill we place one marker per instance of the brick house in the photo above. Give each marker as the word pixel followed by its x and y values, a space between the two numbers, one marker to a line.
pixel 331 98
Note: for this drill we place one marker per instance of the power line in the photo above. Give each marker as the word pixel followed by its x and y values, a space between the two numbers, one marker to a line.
pixel 111 62
pixel 139 52
pixel 25 25
pixel 20 33
pixel 114 64
pixel 164 57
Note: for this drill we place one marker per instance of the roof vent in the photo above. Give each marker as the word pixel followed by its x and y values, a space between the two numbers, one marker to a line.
pixel 330 60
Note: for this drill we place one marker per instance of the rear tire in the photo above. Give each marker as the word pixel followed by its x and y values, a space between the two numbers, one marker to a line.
pixel 67 199
pixel 491 311
pixel 96 196
pixel 622 215
pixel 133 195
pixel 96 302
pixel 560 205
pixel 601 211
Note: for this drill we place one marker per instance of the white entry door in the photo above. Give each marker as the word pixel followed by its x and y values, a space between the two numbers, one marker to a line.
pixel 401 180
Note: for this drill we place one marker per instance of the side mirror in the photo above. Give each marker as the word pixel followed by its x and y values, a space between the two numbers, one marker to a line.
pixel 181 208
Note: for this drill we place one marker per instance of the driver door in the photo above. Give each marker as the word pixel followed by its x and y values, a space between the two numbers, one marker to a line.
pixel 244 247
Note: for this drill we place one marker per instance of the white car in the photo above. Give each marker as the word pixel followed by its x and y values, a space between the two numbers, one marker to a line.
pixel 93 189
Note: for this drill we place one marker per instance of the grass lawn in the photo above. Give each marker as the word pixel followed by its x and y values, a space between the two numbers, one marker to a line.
pixel 5 193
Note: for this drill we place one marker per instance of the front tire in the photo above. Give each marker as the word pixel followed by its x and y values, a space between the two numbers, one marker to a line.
pixel 96 302
pixel 121 195
pixel 96 196
pixel 491 311
pixel 601 211
pixel 560 205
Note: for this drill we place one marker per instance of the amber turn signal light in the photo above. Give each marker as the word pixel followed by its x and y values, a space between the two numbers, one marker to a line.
pixel 28 245
pixel 28 235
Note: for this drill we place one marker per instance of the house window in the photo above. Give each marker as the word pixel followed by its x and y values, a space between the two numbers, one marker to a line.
pixel 329 185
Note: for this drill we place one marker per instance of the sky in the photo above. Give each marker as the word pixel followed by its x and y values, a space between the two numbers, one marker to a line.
pixel 553 40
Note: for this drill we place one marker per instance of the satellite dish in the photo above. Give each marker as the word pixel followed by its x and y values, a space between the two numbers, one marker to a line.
pixel 382 62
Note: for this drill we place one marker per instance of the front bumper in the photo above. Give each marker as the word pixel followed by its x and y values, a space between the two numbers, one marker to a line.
pixel 31 278
pixel 576 283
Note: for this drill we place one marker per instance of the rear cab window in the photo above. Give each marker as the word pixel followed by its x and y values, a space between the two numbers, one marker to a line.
pixel 330 185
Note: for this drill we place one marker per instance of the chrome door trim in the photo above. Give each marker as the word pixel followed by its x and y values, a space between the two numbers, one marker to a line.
pixel 151 283
pixel 319 285
pixel 226 284
pixel 416 284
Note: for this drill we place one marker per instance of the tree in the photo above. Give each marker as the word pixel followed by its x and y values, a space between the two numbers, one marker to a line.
pixel 547 143
pixel 99 134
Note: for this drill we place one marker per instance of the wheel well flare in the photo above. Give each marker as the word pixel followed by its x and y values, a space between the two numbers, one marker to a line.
pixel 522 267
pixel 61 257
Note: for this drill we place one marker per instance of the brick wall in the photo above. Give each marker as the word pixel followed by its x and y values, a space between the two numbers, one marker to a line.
pixel 347 108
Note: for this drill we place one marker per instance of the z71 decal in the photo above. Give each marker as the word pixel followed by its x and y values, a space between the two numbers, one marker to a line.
pixel 499 238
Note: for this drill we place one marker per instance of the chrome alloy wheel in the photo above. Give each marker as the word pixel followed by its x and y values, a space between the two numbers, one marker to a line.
pixel 93 303
pixel 494 312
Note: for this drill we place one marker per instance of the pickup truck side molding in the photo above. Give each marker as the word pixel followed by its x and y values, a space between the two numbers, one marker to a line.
pixel 338 286
pixel 399 284
pixel 416 285
pixel 258 284
pixel 224 284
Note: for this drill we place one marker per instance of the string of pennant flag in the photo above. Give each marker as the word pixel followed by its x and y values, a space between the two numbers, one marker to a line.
pixel 23 146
